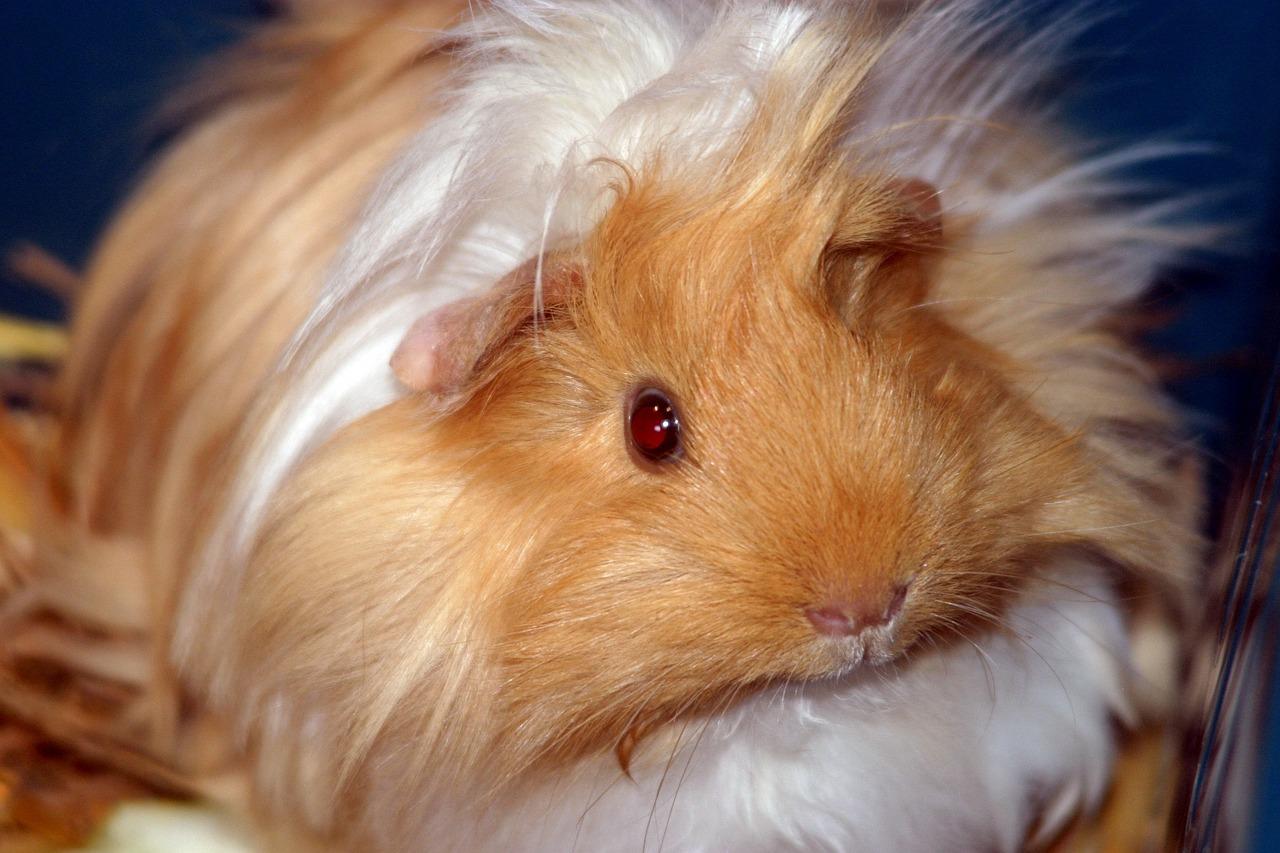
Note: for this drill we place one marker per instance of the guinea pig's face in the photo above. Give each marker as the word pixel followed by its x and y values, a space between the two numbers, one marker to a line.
pixel 746 465
pixel 732 450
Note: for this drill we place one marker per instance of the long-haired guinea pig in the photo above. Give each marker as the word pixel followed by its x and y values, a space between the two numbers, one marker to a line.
pixel 619 425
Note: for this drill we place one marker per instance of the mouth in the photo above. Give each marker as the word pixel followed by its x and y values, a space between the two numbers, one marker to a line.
pixel 871 647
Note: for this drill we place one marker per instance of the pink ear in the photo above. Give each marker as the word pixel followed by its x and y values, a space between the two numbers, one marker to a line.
pixel 922 204
pixel 428 358
pixel 440 352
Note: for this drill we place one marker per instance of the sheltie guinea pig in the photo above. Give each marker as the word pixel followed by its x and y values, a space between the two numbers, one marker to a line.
pixel 627 424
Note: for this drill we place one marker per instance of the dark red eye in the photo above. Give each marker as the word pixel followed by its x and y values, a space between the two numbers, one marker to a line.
pixel 654 426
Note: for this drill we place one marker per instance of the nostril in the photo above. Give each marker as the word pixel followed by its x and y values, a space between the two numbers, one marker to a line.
pixel 842 619
pixel 831 620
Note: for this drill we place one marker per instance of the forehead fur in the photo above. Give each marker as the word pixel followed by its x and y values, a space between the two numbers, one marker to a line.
pixel 742 230
pixel 722 264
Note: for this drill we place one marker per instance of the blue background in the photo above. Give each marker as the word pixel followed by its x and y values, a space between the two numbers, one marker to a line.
pixel 81 79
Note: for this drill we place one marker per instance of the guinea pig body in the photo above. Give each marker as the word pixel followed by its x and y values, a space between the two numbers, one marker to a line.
pixel 363 403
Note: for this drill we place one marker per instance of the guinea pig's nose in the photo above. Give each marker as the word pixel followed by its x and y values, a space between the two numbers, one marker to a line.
pixel 845 618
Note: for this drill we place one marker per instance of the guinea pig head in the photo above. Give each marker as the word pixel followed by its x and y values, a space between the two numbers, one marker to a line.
pixel 711 448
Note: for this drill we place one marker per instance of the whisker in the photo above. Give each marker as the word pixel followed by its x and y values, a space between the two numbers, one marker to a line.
pixel 726 703
pixel 1057 445
pixel 657 793
pixel 987 665
pixel 1140 523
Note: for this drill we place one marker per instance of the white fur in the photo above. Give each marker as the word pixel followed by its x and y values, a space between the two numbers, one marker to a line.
pixel 955 751
pixel 940 755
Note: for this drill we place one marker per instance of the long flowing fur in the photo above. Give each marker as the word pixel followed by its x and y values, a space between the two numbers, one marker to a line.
pixel 232 349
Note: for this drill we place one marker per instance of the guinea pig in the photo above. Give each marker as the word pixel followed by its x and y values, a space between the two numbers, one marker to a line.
pixel 631 424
